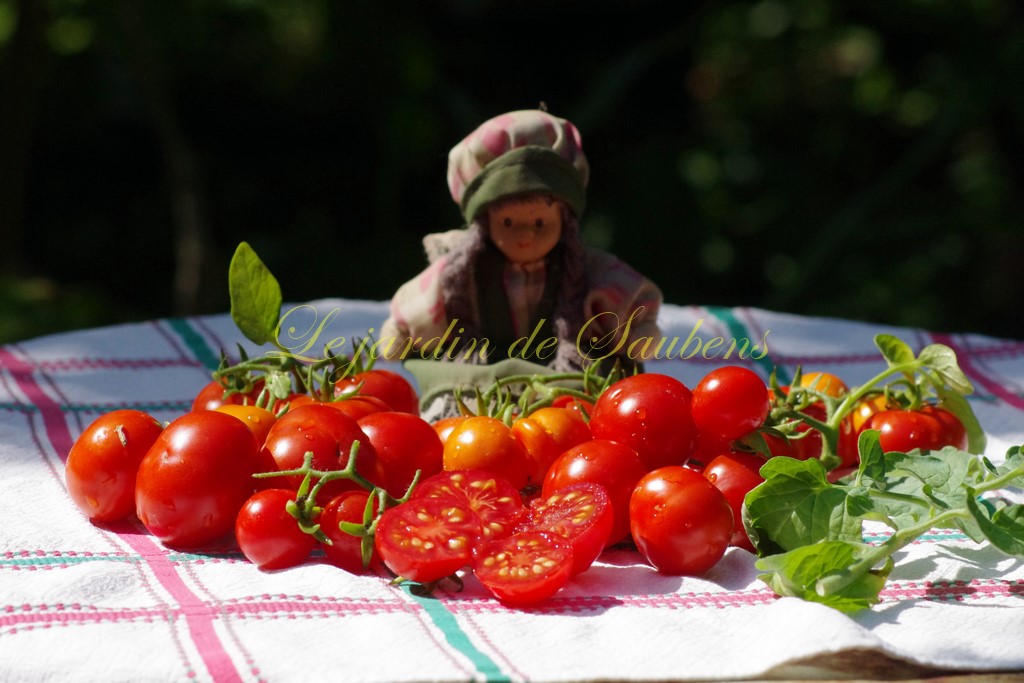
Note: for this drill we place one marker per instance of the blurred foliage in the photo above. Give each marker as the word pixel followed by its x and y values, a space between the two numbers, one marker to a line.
pixel 850 159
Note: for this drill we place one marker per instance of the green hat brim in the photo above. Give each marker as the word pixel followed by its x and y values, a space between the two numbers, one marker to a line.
pixel 525 170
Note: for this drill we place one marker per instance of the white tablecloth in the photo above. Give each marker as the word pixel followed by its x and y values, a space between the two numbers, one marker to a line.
pixel 88 603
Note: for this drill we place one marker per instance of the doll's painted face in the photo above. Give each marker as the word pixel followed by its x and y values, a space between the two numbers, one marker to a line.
pixel 526 228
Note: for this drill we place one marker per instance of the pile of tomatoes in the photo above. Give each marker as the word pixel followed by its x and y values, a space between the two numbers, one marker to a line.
pixel 525 502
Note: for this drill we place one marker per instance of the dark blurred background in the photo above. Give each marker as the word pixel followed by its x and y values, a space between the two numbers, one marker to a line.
pixel 855 159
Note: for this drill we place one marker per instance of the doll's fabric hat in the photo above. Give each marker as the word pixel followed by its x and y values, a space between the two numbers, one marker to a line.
pixel 518 153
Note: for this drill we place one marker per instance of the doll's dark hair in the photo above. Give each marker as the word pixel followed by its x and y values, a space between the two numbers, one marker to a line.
pixel 459 291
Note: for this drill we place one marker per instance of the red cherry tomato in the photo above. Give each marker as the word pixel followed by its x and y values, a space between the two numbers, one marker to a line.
pixel 345 550
pixel 730 402
pixel 578 405
pixel 404 444
pixel 581 513
pixel 546 434
pixel 212 396
pixel 427 538
pixel 525 568
pixel 446 425
pixel 707 448
pixel 329 435
pixel 613 465
pixel 493 499
pixel 953 431
pixel 847 446
pixel 486 443
pixel 195 478
pixel 396 391
pixel 268 535
pixel 681 523
pixel 735 474
pixel 928 429
pixel 355 407
pixel 104 460
pixel 650 413
pixel 805 442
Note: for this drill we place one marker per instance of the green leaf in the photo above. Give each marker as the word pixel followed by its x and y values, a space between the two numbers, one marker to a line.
pixel 872 458
pixel 1014 462
pixel 942 473
pixel 833 573
pixel 279 384
pixel 796 505
pixel 1002 523
pixel 255 296
pixel 894 350
pixel 958 405
pixel 942 360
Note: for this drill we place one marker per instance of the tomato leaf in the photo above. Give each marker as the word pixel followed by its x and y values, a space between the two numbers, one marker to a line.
pixel 279 384
pixel 941 474
pixel 1000 522
pixel 958 405
pixel 872 457
pixel 894 350
pixel 942 360
pixel 795 506
pixel 1014 461
pixel 255 296
pixel 815 526
pixel 834 573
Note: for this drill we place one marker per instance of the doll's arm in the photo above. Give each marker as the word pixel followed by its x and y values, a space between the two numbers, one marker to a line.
pixel 621 307
pixel 417 315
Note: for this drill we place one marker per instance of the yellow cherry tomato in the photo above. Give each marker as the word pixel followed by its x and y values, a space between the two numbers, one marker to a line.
pixel 825 383
pixel 866 409
pixel 258 420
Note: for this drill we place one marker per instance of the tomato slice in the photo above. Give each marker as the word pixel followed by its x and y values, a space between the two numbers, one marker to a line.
pixel 525 568
pixel 428 538
pixel 580 513
pixel 494 500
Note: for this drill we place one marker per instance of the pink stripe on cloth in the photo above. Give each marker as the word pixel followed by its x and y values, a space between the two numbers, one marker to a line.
pixel 30 616
pixel 75 364
pixel 945 591
pixel 976 374
pixel 573 605
pixel 199 615
pixel 53 417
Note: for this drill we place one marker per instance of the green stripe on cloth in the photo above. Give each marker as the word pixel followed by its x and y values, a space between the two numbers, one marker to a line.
pixel 740 331
pixel 457 638
pixel 196 343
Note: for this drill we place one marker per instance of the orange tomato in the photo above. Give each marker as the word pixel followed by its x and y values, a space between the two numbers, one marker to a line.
pixel 825 383
pixel 487 443
pixel 445 425
pixel 258 420
pixel 546 433
pixel 866 409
